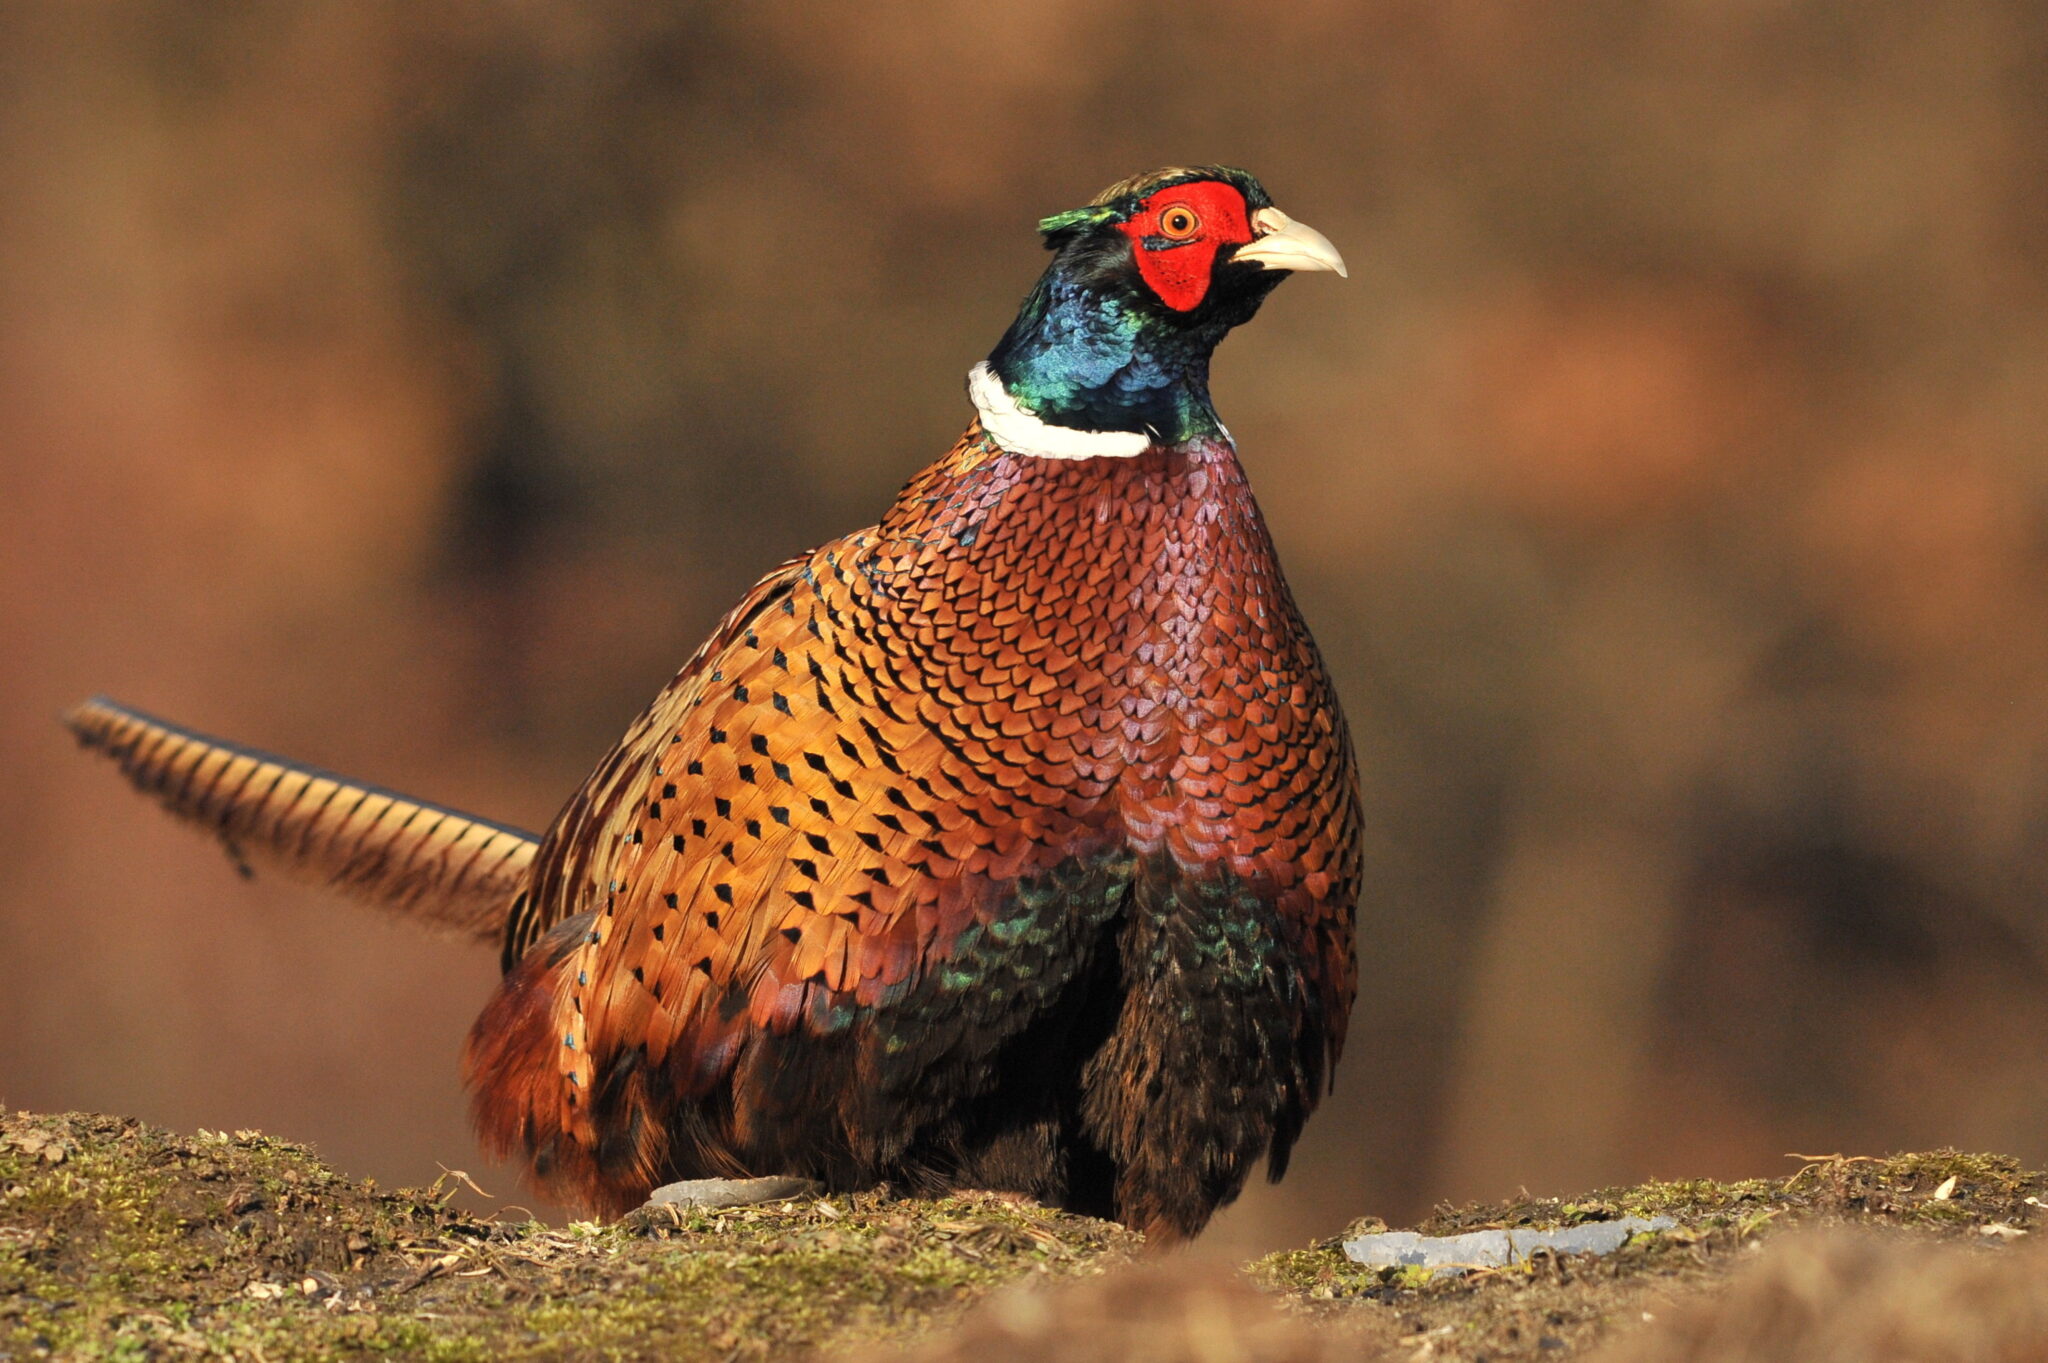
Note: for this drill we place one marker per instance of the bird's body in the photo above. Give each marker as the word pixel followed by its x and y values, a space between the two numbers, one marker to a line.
pixel 1010 843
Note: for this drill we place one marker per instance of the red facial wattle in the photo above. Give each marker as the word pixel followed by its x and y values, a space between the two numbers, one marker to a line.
pixel 1178 269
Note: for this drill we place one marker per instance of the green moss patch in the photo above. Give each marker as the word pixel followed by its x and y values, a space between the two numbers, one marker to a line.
pixel 121 1240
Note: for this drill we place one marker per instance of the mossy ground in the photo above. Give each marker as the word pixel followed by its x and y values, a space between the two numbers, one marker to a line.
pixel 119 1240
pixel 1556 1308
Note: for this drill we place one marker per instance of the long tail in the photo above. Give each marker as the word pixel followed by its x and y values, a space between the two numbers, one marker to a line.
pixel 436 865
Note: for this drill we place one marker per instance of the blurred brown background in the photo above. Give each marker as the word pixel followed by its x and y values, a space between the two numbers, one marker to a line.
pixel 406 388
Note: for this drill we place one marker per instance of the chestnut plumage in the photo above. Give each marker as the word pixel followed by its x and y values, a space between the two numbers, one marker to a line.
pixel 1011 842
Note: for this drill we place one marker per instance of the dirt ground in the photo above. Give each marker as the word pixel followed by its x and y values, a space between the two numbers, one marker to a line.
pixel 121 1240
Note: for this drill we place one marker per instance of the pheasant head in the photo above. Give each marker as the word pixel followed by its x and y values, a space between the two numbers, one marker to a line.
pixel 1109 354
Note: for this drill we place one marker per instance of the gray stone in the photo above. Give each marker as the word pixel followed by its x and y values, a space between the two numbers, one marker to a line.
pixel 1494 1248
pixel 702 1194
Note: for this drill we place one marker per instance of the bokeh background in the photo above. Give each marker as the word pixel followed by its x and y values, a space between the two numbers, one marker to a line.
pixel 408 387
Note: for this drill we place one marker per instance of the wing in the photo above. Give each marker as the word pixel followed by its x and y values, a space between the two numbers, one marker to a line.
pixel 589 826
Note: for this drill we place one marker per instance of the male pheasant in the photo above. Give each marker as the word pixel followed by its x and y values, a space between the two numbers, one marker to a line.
pixel 1010 843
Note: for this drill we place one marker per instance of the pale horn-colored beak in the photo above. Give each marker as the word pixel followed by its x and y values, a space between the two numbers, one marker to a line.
pixel 1284 244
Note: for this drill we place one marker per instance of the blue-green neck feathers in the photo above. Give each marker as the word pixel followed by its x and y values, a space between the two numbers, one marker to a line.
pixel 1089 355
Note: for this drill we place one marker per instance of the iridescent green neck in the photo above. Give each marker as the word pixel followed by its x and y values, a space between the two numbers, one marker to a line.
pixel 1097 359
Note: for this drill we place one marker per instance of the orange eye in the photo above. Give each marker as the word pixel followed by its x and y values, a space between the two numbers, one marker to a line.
pixel 1179 222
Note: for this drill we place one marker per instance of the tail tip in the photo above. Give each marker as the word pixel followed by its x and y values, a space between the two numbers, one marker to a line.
pixel 89 720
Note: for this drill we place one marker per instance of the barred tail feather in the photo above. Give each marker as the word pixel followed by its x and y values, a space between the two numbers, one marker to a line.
pixel 439 866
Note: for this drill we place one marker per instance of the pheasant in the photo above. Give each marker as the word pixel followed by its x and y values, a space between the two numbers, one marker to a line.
pixel 1009 843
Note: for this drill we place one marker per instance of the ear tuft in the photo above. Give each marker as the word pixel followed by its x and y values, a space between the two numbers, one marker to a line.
pixel 1059 225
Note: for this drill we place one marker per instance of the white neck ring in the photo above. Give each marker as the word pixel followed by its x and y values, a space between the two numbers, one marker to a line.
pixel 1020 432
